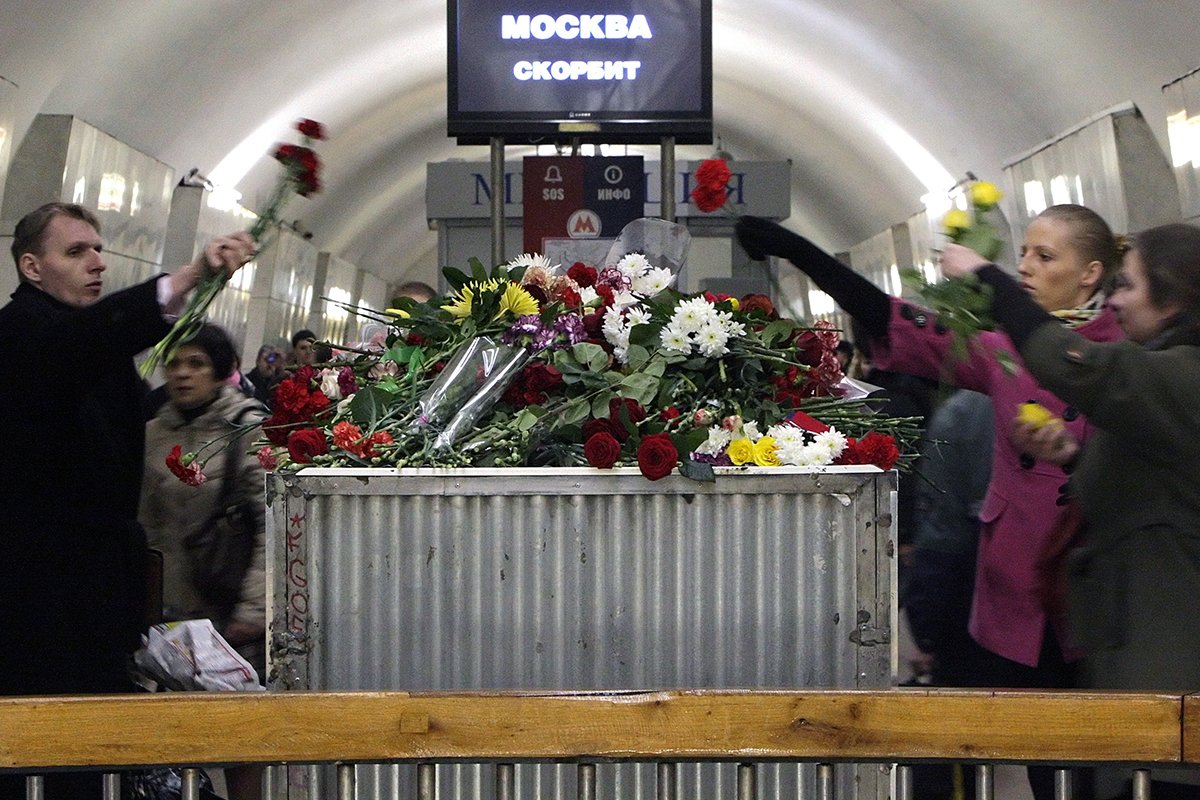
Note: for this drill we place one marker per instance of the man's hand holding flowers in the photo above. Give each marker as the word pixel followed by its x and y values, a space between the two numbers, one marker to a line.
pixel 225 254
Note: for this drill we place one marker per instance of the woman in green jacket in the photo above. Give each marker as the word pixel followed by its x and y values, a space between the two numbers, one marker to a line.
pixel 1134 585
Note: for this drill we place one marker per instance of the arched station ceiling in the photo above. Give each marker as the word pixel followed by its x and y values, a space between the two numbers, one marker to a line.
pixel 876 102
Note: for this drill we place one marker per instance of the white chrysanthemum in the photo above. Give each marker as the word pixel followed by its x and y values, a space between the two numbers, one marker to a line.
pixel 691 315
pixel 750 431
pixel 711 340
pixel 633 264
pixel 533 260
pixel 614 320
pixel 654 281
pixel 619 338
pixel 587 295
pixel 813 455
pixel 786 434
pixel 718 439
pixel 833 440
pixel 638 315
pixel 620 355
pixel 790 454
pixel 675 340
pixel 731 327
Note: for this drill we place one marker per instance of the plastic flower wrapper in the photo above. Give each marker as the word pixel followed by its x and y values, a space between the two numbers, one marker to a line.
pixel 472 381
pixel 664 244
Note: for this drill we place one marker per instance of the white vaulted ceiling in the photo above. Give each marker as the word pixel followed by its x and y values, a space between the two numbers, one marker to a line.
pixel 876 102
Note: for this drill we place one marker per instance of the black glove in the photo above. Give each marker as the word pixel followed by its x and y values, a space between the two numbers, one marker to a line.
pixel 859 297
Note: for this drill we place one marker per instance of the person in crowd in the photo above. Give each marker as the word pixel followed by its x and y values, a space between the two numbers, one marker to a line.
pixel 845 354
pixel 1067 260
pixel 203 406
pixel 73 573
pixel 955 466
pixel 418 290
pixel 303 348
pixel 1134 585
pixel 268 371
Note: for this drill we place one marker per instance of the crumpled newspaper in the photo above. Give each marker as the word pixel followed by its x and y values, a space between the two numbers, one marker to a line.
pixel 192 656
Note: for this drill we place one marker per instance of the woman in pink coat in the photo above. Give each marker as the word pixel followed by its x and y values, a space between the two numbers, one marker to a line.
pixel 1068 257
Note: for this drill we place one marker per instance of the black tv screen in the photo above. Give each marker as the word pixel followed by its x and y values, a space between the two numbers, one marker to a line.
pixel 620 71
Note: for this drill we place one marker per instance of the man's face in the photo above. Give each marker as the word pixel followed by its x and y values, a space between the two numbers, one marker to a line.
pixel 304 353
pixel 70 265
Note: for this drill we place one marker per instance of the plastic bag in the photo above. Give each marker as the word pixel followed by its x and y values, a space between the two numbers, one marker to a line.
pixel 163 783
pixel 192 656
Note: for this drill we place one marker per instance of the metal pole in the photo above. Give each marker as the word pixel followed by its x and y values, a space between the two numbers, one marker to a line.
pixel 585 782
pixel 110 783
pixel 506 782
pixel 667 178
pixel 190 785
pixel 1063 784
pixel 1141 784
pixel 825 781
pixel 426 781
pixel 35 787
pixel 345 778
pixel 668 783
pixel 985 785
pixel 904 782
pixel 497 200
pixel 747 782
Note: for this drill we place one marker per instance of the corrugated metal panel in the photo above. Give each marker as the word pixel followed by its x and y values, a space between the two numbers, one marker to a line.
pixel 580 579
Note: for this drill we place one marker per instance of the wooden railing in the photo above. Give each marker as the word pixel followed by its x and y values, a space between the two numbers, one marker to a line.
pixel 1139 730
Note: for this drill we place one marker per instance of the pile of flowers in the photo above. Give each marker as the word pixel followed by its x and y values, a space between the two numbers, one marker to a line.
pixel 530 364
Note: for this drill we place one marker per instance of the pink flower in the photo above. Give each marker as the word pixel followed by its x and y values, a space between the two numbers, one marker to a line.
pixel 266 457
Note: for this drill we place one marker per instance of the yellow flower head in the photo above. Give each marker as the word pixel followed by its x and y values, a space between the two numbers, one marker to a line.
pixel 517 301
pixel 985 195
pixel 735 303
pixel 460 306
pixel 956 220
pixel 740 451
pixel 766 454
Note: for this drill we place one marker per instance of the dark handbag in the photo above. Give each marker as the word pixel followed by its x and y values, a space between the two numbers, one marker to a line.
pixel 219 553
pixel 1065 536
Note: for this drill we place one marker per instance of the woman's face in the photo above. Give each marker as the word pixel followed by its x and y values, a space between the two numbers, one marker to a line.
pixel 1140 318
pixel 1052 269
pixel 191 379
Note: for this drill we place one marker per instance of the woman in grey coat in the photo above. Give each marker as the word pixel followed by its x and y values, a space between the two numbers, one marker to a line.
pixel 1134 585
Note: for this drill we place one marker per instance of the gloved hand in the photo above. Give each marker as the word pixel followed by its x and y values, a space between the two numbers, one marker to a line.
pixel 761 238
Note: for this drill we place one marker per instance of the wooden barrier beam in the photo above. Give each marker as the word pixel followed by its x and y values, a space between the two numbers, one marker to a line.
pixel 303 727
pixel 1191 728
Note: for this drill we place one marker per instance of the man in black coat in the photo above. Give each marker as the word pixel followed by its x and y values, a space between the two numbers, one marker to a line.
pixel 72 556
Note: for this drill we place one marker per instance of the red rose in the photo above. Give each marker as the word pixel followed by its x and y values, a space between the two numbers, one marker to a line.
pixel 582 274
pixel 810 346
pixel 657 456
pixel 712 180
pixel 311 128
pixel 593 323
pixel 595 426
pixel 669 413
pixel 304 444
pixel 277 427
pixel 758 302
pixel 602 450
pixel 632 409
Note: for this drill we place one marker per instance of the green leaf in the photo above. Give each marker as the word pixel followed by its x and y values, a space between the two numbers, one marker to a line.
pixel 369 405
pixel 576 411
pixel 478 271
pixel 640 387
pixel 696 470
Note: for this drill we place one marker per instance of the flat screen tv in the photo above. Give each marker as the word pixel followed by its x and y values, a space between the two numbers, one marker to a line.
pixel 619 71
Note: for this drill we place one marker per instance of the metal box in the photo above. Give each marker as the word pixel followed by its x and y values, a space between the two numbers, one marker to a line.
pixel 586 579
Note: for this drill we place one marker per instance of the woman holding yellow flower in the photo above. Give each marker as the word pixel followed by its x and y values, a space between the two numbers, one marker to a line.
pixel 1067 259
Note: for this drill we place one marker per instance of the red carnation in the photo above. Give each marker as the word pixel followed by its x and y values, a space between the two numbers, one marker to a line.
pixel 669 413
pixel 712 180
pixel 602 450
pixel 878 449
pixel 311 128
pixel 632 409
pixel 582 274
pixel 304 444
pixel 189 473
pixel 657 456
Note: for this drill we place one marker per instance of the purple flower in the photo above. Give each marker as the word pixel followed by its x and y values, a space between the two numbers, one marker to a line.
pixel 613 277
pixel 571 326
pixel 543 339
pixel 347 383
pixel 526 325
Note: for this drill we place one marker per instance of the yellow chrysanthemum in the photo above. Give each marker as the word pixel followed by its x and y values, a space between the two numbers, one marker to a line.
pixel 956 220
pixel 735 303
pixel 985 195
pixel 766 454
pixel 460 306
pixel 740 451
pixel 517 301
pixel 397 312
